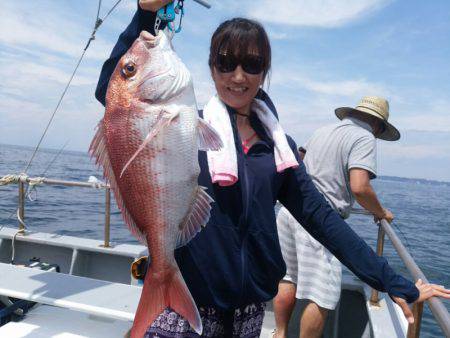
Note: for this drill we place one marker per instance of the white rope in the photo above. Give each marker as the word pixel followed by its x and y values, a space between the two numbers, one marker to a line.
pixel 32 181
pixel 8 179
pixel 13 247
pixel 97 24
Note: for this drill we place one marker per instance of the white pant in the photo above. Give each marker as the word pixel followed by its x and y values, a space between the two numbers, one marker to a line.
pixel 315 271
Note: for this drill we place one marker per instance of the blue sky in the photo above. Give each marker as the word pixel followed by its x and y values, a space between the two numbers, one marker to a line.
pixel 326 54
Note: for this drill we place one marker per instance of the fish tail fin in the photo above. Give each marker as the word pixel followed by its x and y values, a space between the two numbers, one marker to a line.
pixel 157 296
pixel 151 304
pixel 181 302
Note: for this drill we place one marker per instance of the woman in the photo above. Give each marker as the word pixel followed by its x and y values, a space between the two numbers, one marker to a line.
pixel 233 266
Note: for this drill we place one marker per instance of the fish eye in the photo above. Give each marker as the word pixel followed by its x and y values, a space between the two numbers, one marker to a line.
pixel 129 69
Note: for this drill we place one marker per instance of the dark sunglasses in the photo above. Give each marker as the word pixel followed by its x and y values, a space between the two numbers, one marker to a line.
pixel 250 63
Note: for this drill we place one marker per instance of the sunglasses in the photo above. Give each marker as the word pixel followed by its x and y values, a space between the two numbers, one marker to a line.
pixel 250 63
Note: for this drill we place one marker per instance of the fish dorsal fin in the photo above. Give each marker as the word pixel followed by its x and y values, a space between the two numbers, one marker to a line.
pixel 163 120
pixel 99 151
pixel 197 217
pixel 208 138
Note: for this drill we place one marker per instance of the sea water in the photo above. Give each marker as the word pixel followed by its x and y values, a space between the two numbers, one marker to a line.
pixel 421 209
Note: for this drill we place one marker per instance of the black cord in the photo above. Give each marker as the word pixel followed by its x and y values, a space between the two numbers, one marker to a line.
pixel 408 246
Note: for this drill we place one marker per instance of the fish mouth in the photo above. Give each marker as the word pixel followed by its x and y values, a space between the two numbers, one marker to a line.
pixel 149 40
pixel 152 76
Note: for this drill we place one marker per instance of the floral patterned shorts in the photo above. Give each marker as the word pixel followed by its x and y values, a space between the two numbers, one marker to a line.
pixel 244 322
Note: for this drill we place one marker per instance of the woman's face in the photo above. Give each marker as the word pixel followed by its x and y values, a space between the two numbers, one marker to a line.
pixel 237 88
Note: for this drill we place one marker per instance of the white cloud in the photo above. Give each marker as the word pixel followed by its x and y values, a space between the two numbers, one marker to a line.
pixel 426 122
pixel 358 87
pixel 314 13
pixel 37 30
pixel 274 36
pixel 415 152
pixel 294 79
pixel 40 44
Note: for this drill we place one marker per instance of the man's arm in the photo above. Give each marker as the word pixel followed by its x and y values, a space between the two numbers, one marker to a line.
pixel 366 196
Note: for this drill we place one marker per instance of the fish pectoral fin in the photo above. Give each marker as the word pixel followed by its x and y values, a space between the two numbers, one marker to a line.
pixel 208 137
pixel 99 150
pixel 163 120
pixel 196 218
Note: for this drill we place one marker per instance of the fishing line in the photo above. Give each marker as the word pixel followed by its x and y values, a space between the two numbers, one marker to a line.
pixel 33 188
pixel 98 22
pixel 406 240
pixel 55 158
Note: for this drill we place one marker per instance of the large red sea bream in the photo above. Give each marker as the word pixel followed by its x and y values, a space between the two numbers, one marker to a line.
pixel 147 144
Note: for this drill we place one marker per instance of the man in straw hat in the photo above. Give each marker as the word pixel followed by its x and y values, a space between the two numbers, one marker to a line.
pixel 341 160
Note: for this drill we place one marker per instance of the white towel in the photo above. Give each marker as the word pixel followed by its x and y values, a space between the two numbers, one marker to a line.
pixel 223 163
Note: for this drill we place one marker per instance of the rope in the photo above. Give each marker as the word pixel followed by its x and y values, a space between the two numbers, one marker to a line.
pixel 13 247
pixel 98 22
pixel 13 242
pixel 32 181
pixel 8 179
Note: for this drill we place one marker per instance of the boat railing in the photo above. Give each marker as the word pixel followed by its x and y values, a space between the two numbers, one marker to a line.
pixel 23 180
pixel 439 311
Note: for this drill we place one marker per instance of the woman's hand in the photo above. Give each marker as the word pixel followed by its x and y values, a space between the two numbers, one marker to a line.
pixel 426 291
pixel 153 5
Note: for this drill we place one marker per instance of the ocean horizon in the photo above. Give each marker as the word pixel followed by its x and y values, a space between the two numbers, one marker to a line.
pixel 380 177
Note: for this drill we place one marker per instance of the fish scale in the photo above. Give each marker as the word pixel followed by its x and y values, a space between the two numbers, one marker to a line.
pixel 147 144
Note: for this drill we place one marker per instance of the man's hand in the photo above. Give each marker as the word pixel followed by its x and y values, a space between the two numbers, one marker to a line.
pixel 387 215
pixel 426 291
pixel 153 5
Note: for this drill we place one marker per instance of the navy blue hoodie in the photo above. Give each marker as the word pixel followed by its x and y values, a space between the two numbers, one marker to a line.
pixel 236 259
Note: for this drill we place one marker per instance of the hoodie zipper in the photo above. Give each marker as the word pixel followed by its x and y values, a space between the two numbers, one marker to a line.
pixel 245 225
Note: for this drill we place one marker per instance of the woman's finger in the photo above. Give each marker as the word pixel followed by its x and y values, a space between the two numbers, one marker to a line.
pixel 442 294
pixel 440 288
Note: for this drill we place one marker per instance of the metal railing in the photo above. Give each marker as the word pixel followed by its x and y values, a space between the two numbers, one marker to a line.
pixel 437 308
pixel 23 180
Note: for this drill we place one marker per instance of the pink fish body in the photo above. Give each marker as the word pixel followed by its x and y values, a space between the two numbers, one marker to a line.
pixel 147 144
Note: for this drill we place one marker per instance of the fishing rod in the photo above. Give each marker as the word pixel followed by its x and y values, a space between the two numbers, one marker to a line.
pixel 203 3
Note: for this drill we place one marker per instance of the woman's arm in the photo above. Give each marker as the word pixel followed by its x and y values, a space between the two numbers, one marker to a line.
pixel 153 5
pixel 299 195
pixel 142 20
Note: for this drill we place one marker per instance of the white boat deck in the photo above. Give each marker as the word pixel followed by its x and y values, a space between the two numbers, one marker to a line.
pixel 75 306
pixel 72 242
pixel 46 321
pixel 94 297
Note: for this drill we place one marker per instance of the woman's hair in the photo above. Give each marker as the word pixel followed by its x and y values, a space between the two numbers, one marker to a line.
pixel 240 36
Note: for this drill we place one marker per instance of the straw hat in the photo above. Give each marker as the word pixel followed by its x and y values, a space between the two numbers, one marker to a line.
pixel 374 106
